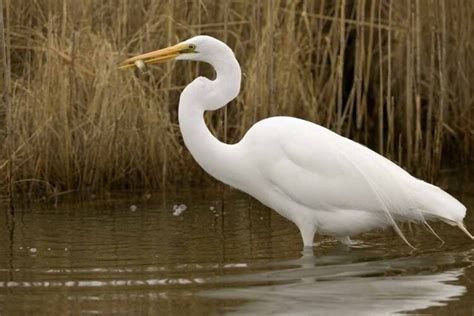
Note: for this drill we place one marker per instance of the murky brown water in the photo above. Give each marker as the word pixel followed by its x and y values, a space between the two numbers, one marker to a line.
pixel 221 256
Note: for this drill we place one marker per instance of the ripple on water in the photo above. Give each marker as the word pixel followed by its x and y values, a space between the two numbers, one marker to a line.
pixel 105 258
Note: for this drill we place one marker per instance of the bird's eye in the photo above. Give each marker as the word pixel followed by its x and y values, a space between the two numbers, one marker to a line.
pixel 189 49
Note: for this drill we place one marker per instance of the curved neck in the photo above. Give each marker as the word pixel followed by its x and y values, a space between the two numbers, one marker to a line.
pixel 217 158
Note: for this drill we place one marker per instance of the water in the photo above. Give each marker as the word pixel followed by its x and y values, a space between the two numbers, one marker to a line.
pixel 130 254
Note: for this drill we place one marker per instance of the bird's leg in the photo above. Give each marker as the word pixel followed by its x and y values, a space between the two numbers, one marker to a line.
pixel 346 240
pixel 307 231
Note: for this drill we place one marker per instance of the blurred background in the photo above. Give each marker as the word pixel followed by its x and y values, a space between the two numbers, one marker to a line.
pixel 394 75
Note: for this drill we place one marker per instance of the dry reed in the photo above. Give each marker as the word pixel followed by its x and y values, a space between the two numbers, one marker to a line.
pixel 395 75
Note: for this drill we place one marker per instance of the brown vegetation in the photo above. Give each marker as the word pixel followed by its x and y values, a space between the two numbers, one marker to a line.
pixel 395 75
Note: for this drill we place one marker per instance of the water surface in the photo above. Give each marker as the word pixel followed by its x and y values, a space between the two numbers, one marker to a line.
pixel 224 253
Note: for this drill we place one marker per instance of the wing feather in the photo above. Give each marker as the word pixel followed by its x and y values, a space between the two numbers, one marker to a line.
pixel 325 172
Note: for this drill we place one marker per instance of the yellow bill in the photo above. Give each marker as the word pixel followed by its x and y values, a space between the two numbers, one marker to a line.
pixel 158 56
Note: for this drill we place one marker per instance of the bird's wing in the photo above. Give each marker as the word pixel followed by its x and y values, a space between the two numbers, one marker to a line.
pixel 323 171
pixel 326 172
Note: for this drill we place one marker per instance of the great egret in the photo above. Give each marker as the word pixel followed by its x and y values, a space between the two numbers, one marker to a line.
pixel 317 179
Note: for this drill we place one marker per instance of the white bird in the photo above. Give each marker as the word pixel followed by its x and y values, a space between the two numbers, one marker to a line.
pixel 317 179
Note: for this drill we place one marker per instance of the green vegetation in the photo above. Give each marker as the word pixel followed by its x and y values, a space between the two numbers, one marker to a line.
pixel 395 75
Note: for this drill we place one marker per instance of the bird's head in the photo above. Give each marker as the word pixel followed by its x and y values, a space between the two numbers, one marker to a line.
pixel 201 48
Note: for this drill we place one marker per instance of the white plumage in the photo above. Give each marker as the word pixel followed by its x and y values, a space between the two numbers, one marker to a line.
pixel 327 183
pixel 319 180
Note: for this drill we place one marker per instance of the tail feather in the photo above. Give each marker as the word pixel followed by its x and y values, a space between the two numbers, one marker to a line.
pixel 438 204
pixel 464 229
pixel 433 232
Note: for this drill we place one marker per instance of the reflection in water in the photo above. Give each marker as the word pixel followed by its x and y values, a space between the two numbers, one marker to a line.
pixel 346 289
pixel 218 256
pixel 376 295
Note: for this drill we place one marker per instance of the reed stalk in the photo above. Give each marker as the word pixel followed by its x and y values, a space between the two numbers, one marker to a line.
pixel 394 75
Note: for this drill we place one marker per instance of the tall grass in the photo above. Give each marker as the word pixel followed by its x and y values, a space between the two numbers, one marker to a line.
pixel 395 75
